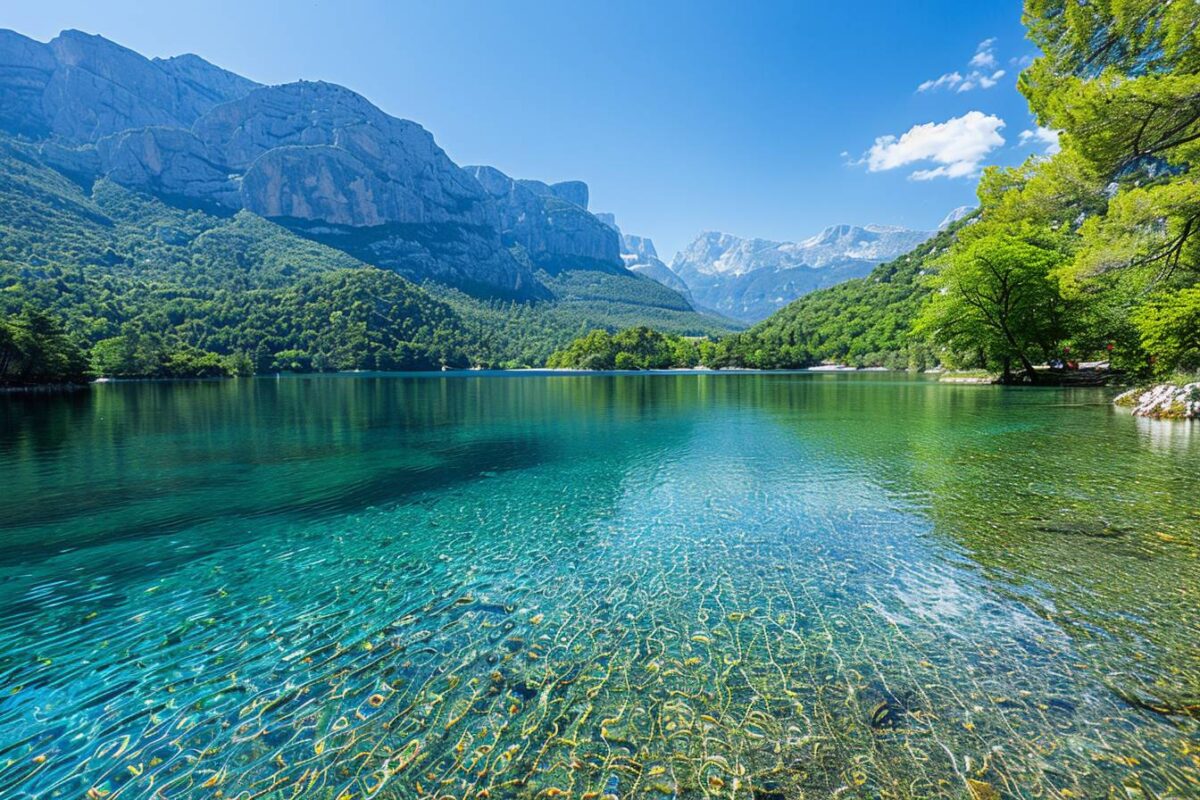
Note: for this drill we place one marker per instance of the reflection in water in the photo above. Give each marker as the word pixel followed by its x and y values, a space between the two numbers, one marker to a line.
pixel 769 586
pixel 1166 434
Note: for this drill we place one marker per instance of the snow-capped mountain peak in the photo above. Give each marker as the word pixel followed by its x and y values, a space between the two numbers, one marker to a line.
pixel 749 278
pixel 954 216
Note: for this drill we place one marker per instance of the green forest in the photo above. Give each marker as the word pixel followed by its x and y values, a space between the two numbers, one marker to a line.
pixel 1091 253
pixel 100 281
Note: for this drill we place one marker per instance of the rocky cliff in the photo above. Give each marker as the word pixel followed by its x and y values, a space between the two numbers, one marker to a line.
pixel 640 257
pixel 749 279
pixel 550 222
pixel 315 156
pixel 81 87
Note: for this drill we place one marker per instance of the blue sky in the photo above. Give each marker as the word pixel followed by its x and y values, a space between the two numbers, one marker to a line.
pixel 755 118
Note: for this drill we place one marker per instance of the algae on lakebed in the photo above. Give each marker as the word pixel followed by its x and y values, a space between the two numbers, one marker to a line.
pixel 736 585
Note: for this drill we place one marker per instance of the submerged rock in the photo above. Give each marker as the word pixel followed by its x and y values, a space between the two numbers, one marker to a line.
pixel 1164 401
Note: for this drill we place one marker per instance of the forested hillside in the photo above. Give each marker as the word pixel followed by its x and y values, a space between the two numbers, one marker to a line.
pixel 144 288
pixel 1093 252
pixel 141 287
pixel 863 322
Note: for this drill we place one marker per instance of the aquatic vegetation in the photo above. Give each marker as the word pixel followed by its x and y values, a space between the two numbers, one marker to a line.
pixel 614 624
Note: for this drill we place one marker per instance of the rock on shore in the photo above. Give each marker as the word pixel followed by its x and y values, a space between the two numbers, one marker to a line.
pixel 1164 401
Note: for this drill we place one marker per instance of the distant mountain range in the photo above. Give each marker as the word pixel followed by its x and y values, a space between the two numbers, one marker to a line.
pixel 639 256
pixel 80 115
pixel 313 158
pixel 749 279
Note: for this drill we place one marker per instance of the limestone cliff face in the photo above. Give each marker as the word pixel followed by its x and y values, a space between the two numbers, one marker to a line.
pixel 640 247
pixel 641 257
pixel 574 192
pixel 25 70
pixel 313 155
pixel 167 161
pixel 544 219
pixel 208 84
pixel 317 151
pixel 81 88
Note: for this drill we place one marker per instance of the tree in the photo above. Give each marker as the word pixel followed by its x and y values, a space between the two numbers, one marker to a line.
pixel 111 357
pixel 996 301
pixel 633 348
pixel 34 349
pixel 1120 80
pixel 1170 330
pixel 592 351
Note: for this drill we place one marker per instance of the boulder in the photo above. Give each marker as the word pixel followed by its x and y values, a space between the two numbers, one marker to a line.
pixel 1164 401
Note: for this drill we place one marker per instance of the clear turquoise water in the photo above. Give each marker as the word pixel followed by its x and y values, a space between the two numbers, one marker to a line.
pixel 761 586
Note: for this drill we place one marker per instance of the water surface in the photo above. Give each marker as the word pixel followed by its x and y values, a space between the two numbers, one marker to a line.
pixel 761 585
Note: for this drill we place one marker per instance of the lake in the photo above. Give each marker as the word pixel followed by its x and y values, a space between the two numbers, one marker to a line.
pixel 768 586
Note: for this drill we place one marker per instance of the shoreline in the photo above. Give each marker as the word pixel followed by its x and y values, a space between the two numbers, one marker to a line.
pixel 938 375
pixel 1166 401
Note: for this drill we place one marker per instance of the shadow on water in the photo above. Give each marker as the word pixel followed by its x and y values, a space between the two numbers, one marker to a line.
pixel 764 585
pixel 139 459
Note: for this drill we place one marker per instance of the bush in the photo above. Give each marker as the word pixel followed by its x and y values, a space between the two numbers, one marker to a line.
pixel 1169 327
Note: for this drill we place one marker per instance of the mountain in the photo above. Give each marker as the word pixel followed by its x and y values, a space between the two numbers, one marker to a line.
pixel 80 88
pixel 748 279
pixel 639 256
pixel 861 322
pixel 962 212
pixel 302 162
pixel 550 223
pixel 314 156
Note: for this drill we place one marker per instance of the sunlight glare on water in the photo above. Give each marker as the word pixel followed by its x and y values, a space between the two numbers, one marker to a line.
pixel 760 586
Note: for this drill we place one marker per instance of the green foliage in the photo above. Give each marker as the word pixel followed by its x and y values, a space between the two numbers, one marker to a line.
pixel 513 334
pixel 158 291
pixel 35 349
pixel 634 348
pixel 1169 326
pixel 996 301
pixel 1122 83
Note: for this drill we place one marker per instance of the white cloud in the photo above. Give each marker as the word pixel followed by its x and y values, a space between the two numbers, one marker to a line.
pixel 1047 137
pixel 949 79
pixel 957 147
pixel 983 74
pixel 961 169
pixel 980 80
pixel 984 57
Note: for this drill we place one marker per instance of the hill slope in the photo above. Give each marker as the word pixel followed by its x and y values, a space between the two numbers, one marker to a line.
pixel 749 279
pixel 177 199
pixel 154 284
pixel 861 322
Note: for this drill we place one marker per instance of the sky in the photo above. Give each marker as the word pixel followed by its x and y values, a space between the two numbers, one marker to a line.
pixel 761 119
